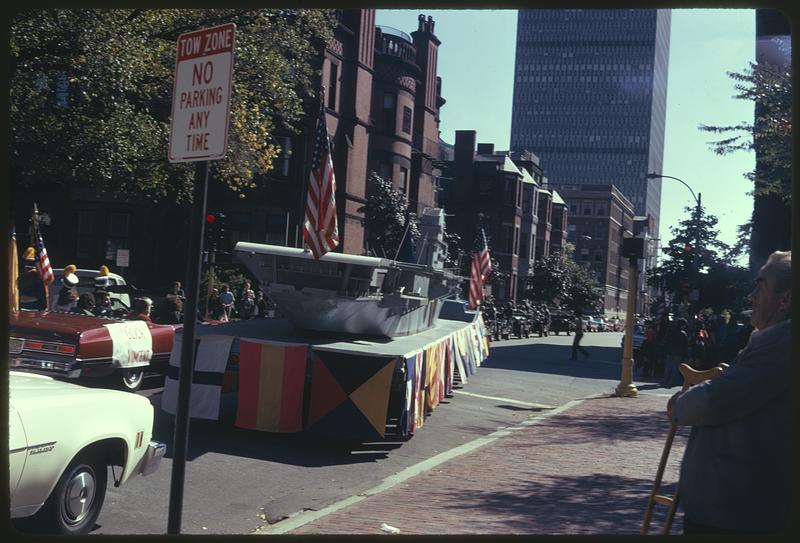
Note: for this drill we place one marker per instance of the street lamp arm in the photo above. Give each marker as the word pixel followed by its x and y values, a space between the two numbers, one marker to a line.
pixel 658 175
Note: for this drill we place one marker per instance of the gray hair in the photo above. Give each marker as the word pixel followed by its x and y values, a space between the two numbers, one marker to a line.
pixel 781 262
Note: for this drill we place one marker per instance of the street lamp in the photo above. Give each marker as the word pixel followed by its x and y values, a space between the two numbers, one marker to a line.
pixel 697 199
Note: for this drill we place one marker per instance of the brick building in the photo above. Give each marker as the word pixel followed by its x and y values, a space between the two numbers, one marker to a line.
pixel 383 113
pixel 506 189
pixel 382 100
pixel 600 216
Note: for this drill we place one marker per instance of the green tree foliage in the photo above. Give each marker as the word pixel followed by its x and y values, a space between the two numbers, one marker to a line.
pixel 583 291
pixel 770 88
pixel 561 280
pixel 548 282
pixel 722 283
pixel 91 91
pixel 385 217
pixel 455 254
pixel 678 265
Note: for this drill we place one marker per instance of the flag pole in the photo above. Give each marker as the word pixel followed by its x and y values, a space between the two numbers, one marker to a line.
pixel 35 236
pixel 306 174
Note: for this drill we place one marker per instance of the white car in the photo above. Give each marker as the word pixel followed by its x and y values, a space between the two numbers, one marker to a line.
pixel 62 439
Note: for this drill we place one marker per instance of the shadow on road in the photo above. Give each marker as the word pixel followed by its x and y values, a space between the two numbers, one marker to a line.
pixel 301 449
pixel 603 362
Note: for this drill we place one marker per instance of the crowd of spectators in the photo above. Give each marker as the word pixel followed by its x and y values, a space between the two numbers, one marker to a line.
pixel 702 342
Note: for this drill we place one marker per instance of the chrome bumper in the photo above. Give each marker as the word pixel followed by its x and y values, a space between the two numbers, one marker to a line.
pixel 55 368
pixel 152 458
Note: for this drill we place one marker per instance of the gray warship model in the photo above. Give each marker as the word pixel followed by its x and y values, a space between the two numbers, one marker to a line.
pixel 354 294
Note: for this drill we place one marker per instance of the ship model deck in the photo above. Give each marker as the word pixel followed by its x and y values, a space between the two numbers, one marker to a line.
pixel 355 294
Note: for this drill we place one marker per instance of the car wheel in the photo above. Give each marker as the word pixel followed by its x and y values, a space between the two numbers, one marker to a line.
pixel 131 378
pixel 75 503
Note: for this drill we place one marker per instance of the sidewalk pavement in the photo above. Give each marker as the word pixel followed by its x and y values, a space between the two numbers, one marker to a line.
pixel 583 468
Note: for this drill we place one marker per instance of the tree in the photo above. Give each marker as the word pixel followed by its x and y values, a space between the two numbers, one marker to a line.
pixel 678 266
pixel 721 283
pixel 385 216
pixel 548 282
pixel 90 95
pixel 558 279
pixel 770 88
pixel 582 292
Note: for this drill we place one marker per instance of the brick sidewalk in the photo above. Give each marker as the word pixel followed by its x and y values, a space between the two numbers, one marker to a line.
pixel 586 470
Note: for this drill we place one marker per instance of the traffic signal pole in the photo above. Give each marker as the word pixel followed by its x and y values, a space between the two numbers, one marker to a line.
pixel 626 387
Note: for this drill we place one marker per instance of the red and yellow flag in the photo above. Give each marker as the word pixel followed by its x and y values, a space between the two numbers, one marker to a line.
pixel 271 384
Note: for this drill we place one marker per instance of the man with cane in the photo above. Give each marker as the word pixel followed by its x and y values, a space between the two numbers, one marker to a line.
pixel 736 475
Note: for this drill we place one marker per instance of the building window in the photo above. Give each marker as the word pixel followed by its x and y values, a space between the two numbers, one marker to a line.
pixel 85 235
pixel 402 181
pixel 406 120
pixel 385 171
pixel 333 77
pixel 118 228
pixel 510 191
pixel 284 158
pixel 508 239
pixel 389 102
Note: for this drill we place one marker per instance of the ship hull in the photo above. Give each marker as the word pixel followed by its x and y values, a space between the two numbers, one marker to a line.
pixel 325 311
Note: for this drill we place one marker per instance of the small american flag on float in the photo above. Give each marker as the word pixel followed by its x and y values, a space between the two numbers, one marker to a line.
pixel 320 229
pixel 481 267
pixel 42 261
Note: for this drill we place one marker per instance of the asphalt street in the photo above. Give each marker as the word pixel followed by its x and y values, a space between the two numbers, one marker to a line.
pixel 241 482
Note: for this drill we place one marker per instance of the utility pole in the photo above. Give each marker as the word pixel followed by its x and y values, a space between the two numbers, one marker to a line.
pixel 633 249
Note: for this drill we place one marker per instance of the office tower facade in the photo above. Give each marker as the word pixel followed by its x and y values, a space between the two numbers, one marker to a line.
pixel 590 97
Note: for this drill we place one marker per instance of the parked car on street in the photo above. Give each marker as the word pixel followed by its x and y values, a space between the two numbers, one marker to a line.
pixel 594 324
pixel 615 324
pixel 638 339
pixel 62 439
pixel 562 322
pixel 73 346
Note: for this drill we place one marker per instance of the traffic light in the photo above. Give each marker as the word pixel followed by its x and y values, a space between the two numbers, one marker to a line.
pixel 687 248
pixel 222 230
pixel 212 230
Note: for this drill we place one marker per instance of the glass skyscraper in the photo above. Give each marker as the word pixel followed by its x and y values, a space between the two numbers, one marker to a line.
pixel 590 89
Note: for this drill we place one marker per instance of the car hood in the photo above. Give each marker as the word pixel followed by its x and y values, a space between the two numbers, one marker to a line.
pixel 39 389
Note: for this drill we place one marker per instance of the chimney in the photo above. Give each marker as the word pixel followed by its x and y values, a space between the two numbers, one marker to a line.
pixel 465 148
pixel 485 148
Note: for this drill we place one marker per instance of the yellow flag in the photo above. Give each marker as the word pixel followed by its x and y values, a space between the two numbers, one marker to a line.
pixel 13 272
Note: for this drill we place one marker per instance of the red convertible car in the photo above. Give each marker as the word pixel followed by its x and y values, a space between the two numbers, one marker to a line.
pixel 76 346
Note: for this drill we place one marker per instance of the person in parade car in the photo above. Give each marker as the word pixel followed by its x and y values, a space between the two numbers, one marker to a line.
pixel 31 288
pixel 141 310
pixel 68 294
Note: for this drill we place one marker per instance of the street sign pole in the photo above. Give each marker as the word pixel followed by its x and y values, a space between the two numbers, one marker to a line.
pixel 181 437
pixel 198 133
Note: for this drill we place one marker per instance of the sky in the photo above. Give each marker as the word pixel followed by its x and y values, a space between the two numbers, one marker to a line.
pixel 476 64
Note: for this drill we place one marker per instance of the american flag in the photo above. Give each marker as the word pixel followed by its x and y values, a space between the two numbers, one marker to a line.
pixel 42 262
pixel 481 267
pixel 320 229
